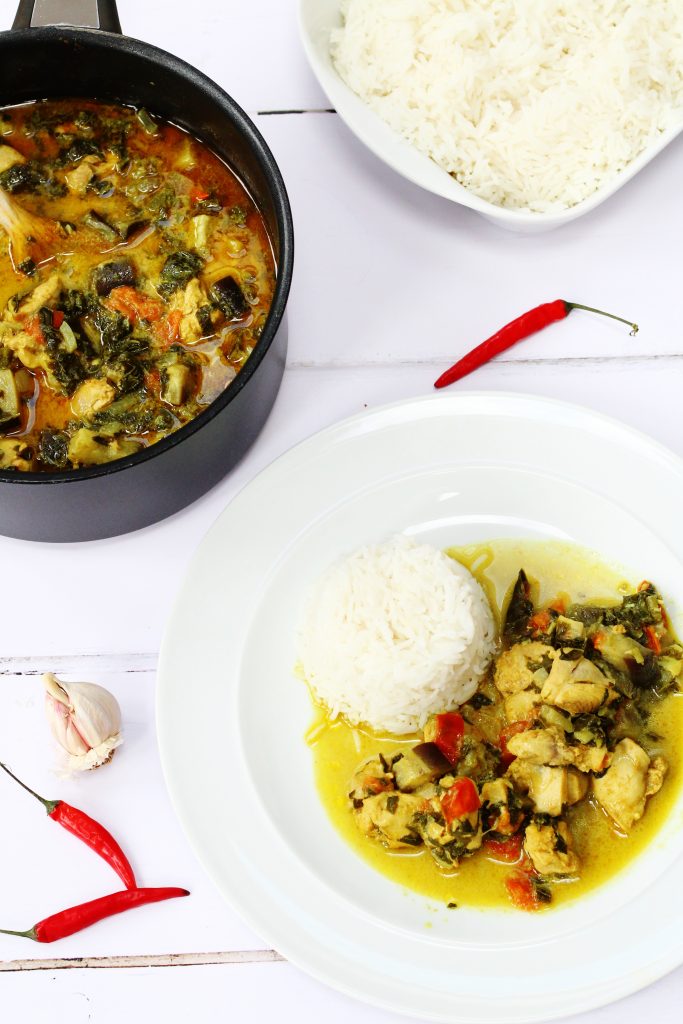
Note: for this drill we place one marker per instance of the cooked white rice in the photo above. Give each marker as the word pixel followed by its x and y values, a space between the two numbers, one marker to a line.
pixel 532 104
pixel 394 633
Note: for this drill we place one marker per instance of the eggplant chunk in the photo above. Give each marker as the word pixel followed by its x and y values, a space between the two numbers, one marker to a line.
pixel 519 610
pixel 229 298
pixel 177 382
pixel 424 763
pixel 113 275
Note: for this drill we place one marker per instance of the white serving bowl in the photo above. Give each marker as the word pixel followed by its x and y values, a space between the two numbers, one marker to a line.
pixel 317 19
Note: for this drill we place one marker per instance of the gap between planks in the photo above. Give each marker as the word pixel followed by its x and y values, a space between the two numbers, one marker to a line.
pixel 243 956
pixel 37 664
pixel 309 110
pixel 648 359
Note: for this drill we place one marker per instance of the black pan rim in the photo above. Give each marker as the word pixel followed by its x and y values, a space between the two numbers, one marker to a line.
pixel 99 39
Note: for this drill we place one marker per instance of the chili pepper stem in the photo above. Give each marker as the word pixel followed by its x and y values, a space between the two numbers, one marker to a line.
pixel 601 312
pixel 30 934
pixel 49 805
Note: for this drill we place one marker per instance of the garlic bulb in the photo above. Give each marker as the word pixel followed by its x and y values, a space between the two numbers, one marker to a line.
pixel 85 719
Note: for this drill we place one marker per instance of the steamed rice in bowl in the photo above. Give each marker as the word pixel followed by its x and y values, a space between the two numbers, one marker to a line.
pixel 531 105
pixel 394 633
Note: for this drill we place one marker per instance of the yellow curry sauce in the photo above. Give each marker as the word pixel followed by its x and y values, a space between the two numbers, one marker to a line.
pixel 136 275
pixel 479 881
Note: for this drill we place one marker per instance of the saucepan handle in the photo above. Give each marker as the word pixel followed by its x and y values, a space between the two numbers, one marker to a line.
pixel 74 13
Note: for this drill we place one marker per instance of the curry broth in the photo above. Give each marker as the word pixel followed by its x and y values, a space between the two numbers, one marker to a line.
pixel 338 748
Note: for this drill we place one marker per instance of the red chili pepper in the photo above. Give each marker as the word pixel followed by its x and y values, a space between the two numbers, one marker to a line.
pixel 87 830
pixel 449 735
pixel 653 641
pixel 75 919
pixel 521 891
pixel 57 318
pixel 199 195
pixel 540 622
pixel 535 320
pixel 508 849
pixel 462 798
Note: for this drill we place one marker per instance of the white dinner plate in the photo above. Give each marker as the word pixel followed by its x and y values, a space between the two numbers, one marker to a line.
pixel 448 469
pixel 317 19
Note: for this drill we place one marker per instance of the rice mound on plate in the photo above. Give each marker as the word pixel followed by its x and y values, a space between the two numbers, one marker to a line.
pixel 394 633
pixel 531 104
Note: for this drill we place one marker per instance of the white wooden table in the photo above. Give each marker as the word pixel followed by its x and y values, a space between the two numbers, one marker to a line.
pixel 391 284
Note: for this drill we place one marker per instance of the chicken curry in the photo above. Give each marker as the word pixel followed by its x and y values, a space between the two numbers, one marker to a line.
pixel 136 277
pixel 548 779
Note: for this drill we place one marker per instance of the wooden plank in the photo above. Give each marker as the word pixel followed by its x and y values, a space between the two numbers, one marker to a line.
pixel 251 991
pixel 252 50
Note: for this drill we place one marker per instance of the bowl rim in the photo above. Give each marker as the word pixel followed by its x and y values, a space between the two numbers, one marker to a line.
pixel 260 151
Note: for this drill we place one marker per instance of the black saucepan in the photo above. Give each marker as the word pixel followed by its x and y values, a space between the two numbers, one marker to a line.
pixel 74 48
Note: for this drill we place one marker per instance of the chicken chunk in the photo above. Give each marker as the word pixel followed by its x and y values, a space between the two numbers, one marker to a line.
pixel 522 706
pixel 550 789
pixel 516 667
pixel 45 294
pixel 546 786
pixel 624 788
pixel 501 817
pixel 388 817
pixel 92 448
pixel 15 454
pixel 9 156
pixel 549 747
pixel 27 347
pixel 551 850
pixel 575 686
pixel 370 778
pixel 655 775
pixel 577 786
pixel 81 176
pixel 448 844
pixel 91 397
pixel 188 302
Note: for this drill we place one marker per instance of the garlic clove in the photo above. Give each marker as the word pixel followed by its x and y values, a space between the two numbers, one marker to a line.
pixel 84 718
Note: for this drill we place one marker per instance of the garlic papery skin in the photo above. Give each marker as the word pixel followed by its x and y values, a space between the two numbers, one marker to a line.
pixel 85 719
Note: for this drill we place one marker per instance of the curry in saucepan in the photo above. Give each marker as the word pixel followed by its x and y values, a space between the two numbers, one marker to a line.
pixel 136 275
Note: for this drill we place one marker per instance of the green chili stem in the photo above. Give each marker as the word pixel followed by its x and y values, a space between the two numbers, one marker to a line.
pixel 49 805
pixel 601 312
pixel 30 934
